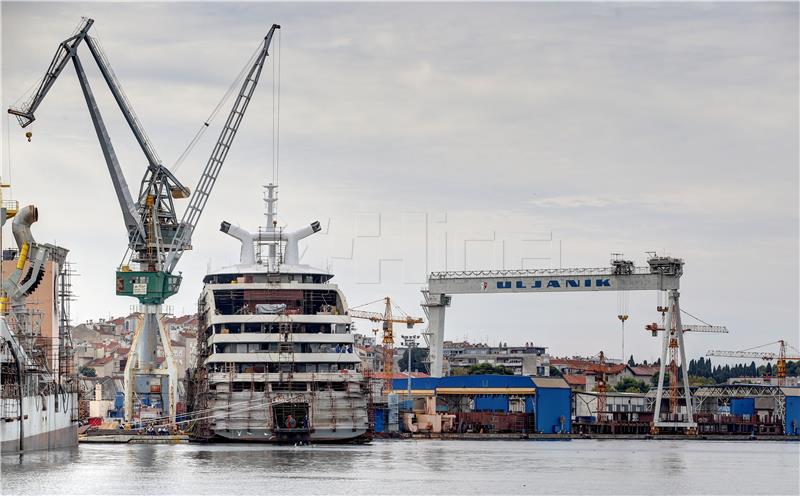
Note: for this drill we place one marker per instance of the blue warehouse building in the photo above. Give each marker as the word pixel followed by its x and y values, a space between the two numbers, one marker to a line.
pixel 791 423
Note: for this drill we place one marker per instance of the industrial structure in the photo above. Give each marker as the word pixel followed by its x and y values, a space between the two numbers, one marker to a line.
pixel 156 238
pixel 661 274
pixel 780 357
pixel 387 321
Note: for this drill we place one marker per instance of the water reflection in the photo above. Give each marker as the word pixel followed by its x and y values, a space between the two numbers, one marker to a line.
pixel 402 467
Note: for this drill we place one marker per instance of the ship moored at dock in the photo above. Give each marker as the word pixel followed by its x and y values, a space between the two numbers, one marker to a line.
pixel 276 357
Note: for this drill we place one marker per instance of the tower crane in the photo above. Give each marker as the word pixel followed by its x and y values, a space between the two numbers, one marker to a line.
pixel 387 320
pixel 672 366
pixel 601 385
pixel 779 357
pixel 156 238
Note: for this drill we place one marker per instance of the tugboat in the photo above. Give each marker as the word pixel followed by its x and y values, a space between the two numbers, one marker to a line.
pixel 276 356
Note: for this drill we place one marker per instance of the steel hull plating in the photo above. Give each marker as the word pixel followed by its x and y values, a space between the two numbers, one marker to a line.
pixel 43 425
pixel 316 436
pixel 336 417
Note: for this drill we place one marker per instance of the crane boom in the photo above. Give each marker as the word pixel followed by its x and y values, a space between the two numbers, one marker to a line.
pixel 765 355
pixel 66 50
pixel 207 180
pixel 379 317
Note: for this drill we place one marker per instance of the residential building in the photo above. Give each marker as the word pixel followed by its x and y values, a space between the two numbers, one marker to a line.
pixel 526 360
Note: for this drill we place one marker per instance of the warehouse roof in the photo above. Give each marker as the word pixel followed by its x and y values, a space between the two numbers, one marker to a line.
pixel 550 382
pixel 469 384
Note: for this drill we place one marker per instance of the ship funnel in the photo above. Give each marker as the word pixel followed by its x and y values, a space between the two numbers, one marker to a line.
pixel 248 255
pixel 21 227
pixel 292 256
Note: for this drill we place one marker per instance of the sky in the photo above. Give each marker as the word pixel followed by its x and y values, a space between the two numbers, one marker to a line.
pixel 437 136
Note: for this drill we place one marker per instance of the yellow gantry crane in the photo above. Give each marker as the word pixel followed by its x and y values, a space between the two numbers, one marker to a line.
pixel 780 357
pixel 387 320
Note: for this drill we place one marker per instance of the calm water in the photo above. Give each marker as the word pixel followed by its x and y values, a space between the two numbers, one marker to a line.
pixel 414 467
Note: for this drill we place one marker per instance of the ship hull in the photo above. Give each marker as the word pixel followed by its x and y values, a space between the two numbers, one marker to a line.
pixel 268 436
pixel 335 417
pixel 46 423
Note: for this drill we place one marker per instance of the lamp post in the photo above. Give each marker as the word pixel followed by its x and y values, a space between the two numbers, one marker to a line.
pixel 410 341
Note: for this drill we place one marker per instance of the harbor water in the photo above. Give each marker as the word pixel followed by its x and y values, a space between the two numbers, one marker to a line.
pixel 413 467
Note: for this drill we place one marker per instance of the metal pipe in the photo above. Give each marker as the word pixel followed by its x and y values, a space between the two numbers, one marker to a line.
pixel 21 227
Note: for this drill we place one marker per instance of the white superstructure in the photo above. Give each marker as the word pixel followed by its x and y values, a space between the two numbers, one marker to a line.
pixel 278 360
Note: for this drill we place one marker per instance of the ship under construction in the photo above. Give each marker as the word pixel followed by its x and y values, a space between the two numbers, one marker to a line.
pixel 276 356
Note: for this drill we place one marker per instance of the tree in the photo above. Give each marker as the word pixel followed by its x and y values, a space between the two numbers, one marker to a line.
pixel 87 372
pixel 631 385
pixel 489 369
pixel 631 361
pixel 554 372
pixel 698 380
pixel 418 359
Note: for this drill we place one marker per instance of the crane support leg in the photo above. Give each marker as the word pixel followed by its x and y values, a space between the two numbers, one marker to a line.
pixel 130 366
pixel 142 364
pixel 434 306
pixel 169 361
pixel 673 323
pixel 662 365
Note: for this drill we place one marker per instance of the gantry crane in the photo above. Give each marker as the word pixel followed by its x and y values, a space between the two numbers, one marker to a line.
pixel 387 320
pixel 779 357
pixel 156 239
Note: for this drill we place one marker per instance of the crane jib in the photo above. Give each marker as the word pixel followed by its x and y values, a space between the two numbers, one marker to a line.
pixel 208 178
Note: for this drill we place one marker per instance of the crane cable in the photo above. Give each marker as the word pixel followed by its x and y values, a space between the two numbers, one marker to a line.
pixel 696 318
pixel 206 124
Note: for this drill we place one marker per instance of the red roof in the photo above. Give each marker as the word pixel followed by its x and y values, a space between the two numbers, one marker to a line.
pixel 183 320
pixel 588 365
pixel 575 380
pixel 645 371
pixel 101 361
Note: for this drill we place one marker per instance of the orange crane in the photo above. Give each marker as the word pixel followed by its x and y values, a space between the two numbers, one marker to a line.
pixel 388 333
pixel 672 364
pixel 601 386
pixel 780 357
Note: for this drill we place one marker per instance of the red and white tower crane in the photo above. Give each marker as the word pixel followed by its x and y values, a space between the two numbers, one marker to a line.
pixel 780 357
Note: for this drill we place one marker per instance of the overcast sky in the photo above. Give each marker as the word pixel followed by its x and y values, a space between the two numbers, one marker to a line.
pixel 432 136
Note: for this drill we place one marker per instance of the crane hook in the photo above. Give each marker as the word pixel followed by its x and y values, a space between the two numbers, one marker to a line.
pixel 29 135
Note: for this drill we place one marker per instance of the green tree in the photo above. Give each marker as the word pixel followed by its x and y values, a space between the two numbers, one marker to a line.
pixel 631 361
pixel 698 380
pixel 554 372
pixel 488 369
pixel 631 385
pixel 87 372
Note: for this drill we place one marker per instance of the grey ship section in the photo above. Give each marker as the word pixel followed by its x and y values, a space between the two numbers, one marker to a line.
pixel 39 400
pixel 276 358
